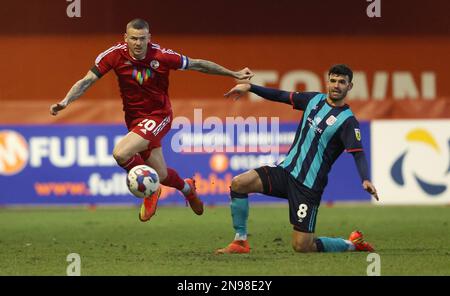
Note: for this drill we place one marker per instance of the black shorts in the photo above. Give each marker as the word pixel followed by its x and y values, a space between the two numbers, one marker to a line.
pixel 303 202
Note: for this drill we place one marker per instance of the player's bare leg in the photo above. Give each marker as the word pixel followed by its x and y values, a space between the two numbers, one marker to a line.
pixel 241 185
pixel 248 182
pixel 156 160
pixel 303 242
pixel 126 151
pixel 127 156
pixel 169 177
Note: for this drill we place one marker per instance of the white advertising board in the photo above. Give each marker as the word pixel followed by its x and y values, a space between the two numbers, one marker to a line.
pixel 411 161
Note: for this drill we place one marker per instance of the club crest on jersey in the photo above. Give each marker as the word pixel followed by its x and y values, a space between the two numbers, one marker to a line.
pixel 358 134
pixel 141 76
pixel 331 120
pixel 154 64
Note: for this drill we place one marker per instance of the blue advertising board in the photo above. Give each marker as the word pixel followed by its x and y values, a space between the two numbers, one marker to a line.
pixel 73 164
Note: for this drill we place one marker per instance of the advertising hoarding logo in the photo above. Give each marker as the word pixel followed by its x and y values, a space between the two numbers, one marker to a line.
pixel 73 164
pixel 410 161
pixel 14 152
pixel 219 162
pixel 424 137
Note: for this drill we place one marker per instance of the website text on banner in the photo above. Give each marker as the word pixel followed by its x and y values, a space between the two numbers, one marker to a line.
pixel 73 164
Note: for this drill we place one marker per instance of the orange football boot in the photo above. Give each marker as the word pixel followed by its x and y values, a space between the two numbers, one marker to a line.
pixel 192 198
pixel 357 238
pixel 236 247
pixel 148 207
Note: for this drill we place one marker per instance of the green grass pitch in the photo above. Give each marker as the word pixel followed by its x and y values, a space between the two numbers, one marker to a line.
pixel 111 241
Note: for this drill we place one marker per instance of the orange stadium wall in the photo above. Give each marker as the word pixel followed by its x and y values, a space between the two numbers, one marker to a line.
pixel 400 77
pixel 400 60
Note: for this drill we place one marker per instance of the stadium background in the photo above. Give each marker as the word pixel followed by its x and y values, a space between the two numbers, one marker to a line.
pixel 400 62
pixel 401 97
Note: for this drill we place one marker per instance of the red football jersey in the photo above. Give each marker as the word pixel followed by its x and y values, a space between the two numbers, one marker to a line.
pixel 143 83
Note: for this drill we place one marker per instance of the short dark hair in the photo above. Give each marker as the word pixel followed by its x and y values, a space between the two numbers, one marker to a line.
pixel 341 69
pixel 138 24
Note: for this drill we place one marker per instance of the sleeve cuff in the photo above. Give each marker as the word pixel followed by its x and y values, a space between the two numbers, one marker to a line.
pixel 96 71
pixel 184 62
pixel 354 150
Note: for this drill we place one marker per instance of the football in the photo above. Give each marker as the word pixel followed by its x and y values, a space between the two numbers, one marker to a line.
pixel 142 181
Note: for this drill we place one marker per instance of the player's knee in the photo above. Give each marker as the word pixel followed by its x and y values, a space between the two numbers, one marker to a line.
pixel 120 155
pixel 238 185
pixel 302 247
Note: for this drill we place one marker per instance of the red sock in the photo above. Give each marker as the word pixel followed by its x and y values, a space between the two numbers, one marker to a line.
pixel 132 162
pixel 173 180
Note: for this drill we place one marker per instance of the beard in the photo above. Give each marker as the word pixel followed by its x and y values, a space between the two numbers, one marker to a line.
pixel 337 96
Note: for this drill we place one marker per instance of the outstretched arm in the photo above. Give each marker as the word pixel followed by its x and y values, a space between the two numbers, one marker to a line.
pixel 209 67
pixel 361 164
pixel 271 94
pixel 77 90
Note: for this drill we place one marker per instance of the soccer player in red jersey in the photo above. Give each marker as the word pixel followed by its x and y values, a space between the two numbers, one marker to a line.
pixel 142 68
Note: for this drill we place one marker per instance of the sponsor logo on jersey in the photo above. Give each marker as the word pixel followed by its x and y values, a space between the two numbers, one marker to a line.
pixel 314 124
pixel 317 120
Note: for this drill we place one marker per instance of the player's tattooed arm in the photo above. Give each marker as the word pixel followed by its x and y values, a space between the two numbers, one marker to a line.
pixel 77 90
pixel 209 67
